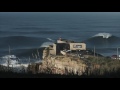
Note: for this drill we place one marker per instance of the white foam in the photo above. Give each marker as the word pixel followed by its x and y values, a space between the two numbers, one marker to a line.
pixel 11 58
pixel 50 39
pixel 104 35
pixel 15 65
pixel 46 44
pixel 38 61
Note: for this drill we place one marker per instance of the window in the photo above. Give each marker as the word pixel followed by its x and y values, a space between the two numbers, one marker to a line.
pixel 77 46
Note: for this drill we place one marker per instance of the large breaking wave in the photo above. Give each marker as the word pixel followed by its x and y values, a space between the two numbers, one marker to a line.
pixel 103 40
pixel 21 42
pixel 104 35
pixel 24 46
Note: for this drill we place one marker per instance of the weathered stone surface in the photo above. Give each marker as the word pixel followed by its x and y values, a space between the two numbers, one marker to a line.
pixel 60 65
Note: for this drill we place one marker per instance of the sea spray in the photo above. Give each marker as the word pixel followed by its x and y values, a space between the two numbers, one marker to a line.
pixel 46 44
pixel 104 35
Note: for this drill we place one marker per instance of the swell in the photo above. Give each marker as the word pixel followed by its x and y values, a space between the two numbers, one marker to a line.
pixel 101 42
pixel 24 52
pixel 20 42
pixel 29 32
pixel 31 28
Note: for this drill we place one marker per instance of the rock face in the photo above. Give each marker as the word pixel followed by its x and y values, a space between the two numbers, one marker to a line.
pixel 60 65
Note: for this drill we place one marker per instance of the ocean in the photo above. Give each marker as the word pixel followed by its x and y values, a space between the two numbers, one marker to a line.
pixel 27 32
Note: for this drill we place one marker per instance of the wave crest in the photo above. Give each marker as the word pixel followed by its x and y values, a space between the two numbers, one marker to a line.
pixel 104 35
pixel 46 44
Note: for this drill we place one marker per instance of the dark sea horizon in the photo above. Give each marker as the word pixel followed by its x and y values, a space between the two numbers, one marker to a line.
pixel 25 32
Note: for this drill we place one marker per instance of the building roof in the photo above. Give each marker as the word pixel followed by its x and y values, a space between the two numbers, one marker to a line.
pixel 114 56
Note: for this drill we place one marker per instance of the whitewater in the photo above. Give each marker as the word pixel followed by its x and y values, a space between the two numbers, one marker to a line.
pixel 27 33
pixel 104 35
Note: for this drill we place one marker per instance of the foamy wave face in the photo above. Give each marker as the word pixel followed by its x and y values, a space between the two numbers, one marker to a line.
pixel 104 35
pixel 17 67
pixel 46 44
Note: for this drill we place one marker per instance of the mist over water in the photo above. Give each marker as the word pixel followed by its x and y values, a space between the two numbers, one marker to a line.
pixel 26 32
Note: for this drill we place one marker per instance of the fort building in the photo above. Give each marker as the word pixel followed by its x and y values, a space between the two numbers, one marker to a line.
pixel 62 47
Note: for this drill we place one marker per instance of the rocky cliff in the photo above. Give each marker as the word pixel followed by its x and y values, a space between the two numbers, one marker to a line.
pixel 59 65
